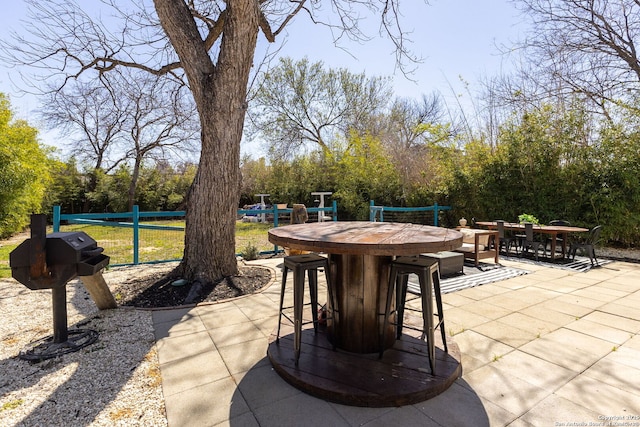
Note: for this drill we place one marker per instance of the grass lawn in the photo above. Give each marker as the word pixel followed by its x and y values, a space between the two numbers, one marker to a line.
pixel 154 245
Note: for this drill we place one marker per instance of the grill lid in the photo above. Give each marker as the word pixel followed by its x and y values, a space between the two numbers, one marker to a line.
pixel 69 247
pixel 61 248
pixel 67 255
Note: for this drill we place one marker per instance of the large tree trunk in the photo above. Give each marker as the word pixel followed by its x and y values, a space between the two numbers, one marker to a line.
pixel 135 175
pixel 211 208
pixel 220 95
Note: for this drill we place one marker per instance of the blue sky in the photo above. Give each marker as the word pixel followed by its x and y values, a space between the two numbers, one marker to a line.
pixel 456 39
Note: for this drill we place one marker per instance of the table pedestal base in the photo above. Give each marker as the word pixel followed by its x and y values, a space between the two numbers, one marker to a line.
pixel 401 377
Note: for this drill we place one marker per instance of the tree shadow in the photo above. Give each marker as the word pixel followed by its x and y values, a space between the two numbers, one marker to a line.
pixel 79 387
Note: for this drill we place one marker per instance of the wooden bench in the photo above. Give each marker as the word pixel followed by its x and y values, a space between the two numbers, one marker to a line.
pixel 479 244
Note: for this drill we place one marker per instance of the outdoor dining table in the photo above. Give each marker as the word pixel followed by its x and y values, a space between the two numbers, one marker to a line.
pixel 360 255
pixel 352 373
pixel 552 230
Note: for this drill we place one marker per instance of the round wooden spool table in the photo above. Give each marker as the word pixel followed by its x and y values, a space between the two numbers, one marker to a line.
pixel 360 254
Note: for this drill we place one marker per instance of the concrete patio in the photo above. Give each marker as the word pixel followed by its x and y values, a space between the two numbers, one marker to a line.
pixel 550 348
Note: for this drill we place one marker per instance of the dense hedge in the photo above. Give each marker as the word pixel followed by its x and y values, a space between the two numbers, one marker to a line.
pixel 541 168
pixel 546 163
pixel 160 187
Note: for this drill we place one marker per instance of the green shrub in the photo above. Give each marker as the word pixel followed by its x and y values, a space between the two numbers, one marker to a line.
pixel 250 252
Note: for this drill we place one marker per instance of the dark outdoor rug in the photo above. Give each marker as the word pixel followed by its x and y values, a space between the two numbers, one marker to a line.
pixel 580 264
pixel 484 274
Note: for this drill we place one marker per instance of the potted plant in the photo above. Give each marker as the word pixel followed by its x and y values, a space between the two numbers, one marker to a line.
pixel 522 218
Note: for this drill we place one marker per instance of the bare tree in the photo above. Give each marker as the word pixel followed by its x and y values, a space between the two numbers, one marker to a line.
pixel 161 123
pixel 584 48
pixel 92 121
pixel 129 117
pixel 297 103
pixel 211 43
pixel 416 122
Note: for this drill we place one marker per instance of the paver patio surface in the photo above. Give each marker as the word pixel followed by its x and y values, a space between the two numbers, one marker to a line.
pixel 552 347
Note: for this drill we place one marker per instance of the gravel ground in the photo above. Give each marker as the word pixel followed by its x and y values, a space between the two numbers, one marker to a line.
pixel 114 381
pixel 627 255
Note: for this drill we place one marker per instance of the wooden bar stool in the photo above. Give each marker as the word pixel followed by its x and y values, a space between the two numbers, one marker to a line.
pixel 300 264
pixel 429 278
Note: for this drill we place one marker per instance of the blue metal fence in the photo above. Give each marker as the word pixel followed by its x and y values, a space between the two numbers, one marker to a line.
pixel 133 219
pixel 122 220
pixel 376 213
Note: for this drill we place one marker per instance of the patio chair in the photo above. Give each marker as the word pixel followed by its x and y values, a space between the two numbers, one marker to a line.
pixel 587 245
pixel 506 240
pixel 559 240
pixel 299 215
pixel 530 243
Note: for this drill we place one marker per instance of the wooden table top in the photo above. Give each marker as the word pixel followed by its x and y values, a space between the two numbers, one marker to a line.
pixel 539 228
pixel 366 238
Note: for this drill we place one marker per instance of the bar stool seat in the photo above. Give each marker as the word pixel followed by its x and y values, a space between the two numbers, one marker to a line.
pixel 429 278
pixel 300 264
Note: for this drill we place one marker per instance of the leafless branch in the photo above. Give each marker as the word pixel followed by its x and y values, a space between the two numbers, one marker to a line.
pixel 585 48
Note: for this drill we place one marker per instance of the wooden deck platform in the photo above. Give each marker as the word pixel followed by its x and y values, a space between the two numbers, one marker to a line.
pixel 401 377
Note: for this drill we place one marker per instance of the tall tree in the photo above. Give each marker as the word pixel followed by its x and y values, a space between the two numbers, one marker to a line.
pixel 211 43
pixel 159 120
pixel 584 47
pixel 91 119
pixel 24 171
pixel 412 129
pixel 413 123
pixel 128 117
pixel 298 103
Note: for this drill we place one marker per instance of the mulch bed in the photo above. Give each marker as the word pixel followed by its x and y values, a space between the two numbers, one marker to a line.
pixel 158 290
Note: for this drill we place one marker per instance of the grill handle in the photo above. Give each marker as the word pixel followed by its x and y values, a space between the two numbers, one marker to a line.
pixel 91 252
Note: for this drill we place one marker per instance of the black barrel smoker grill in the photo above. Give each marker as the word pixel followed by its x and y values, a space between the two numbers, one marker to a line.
pixel 50 262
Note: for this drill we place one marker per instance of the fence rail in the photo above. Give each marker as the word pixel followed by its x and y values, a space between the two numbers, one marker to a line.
pixel 135 222
pixel 132 220
pixel 376 213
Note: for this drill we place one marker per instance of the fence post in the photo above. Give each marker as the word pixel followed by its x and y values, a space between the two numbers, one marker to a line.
pixel 275 215
pixel 275 223
pixel 335 210
pixel 435 214
pixel 56 218
pixel 136 234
